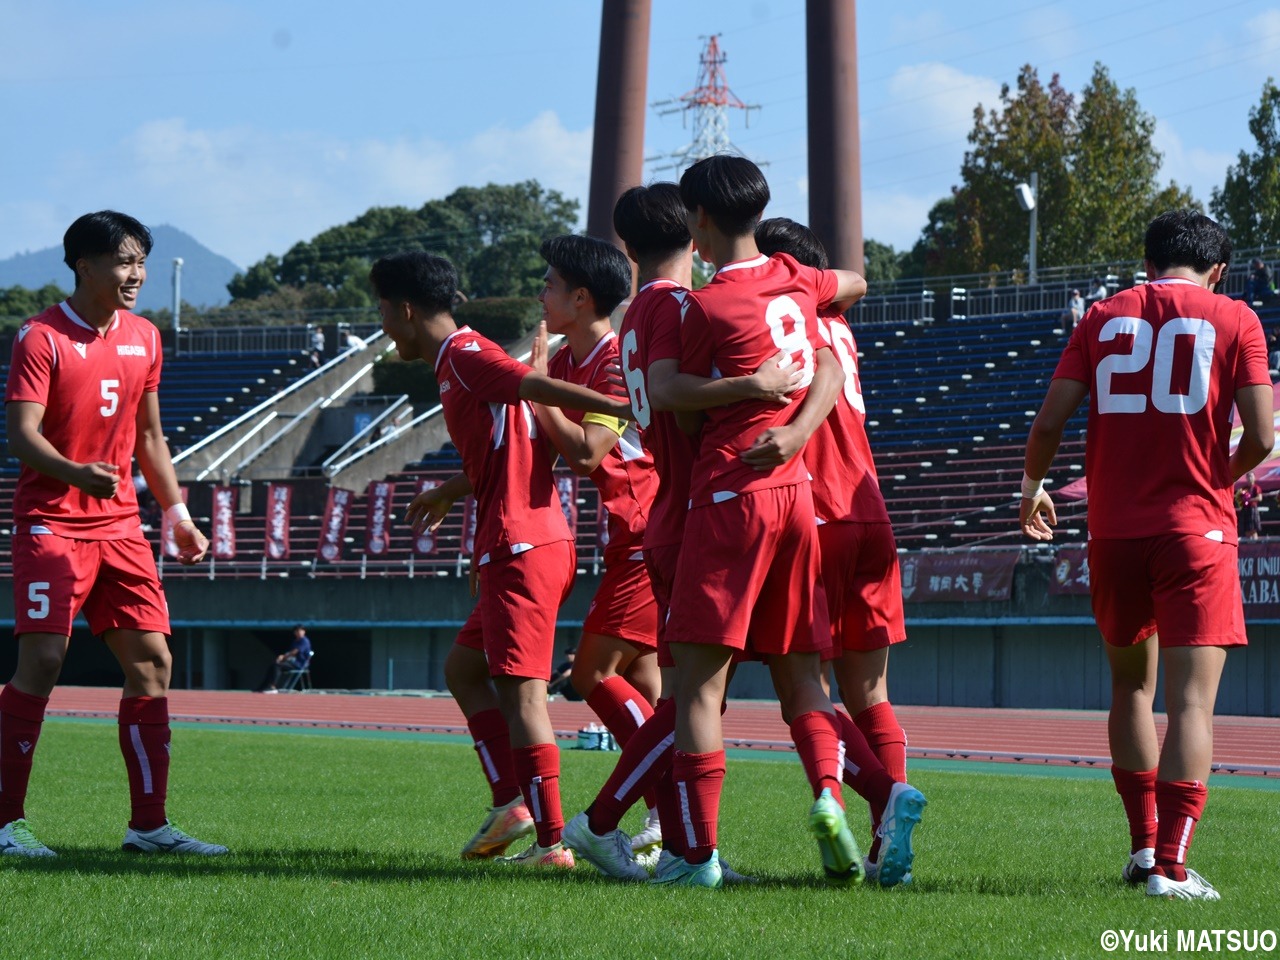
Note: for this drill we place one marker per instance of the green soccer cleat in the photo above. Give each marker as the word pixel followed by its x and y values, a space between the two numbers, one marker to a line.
pixel 841 859
pixel 17 840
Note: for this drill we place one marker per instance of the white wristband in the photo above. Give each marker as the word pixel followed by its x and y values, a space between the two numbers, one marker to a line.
pixel 1031 488
pixel 177 513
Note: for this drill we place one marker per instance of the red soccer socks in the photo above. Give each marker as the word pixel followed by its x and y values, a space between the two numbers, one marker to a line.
pixel 20 718
pixel 144 742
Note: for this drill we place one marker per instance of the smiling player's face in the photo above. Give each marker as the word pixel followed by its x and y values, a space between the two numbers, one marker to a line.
pixel 112 280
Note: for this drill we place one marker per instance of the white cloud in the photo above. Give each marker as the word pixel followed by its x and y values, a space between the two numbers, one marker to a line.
pixel 936 98
pixel 245 192
pixel 1198 168
pixel 895 217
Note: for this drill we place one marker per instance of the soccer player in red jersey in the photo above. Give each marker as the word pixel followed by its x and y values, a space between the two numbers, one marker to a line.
pixel 859 573
pixel 1164 363
pixel 81 403
pixel 748 574
pixel 499 666
pixel 651 222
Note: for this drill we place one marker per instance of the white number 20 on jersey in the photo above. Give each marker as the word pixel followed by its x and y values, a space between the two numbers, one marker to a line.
pixel 1163 398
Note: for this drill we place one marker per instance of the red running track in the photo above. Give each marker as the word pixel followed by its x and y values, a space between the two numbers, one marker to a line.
pixel 1241 744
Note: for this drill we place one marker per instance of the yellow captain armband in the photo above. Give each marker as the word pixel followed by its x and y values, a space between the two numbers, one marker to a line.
pixel 615 424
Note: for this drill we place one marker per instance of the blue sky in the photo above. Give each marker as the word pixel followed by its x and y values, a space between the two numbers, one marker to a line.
pixel 252 125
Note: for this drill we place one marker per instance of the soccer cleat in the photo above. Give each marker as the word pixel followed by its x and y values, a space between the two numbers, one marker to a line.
pixel 901 814
pixel 557 856
pixel 610 854
pixel 676 871
pixel 649 858
pixel 168 839
pixel 502 827
pixel 17 840
pixel 732 878
pixel 1195 887
pixel 1138 869
pixel 841 859
pixel 650 838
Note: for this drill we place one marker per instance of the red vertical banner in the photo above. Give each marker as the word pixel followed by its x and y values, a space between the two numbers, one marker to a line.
pixel 567 487
pixel 334 529
pixel 279 502
pixel 377 530
pixel 424 544
pixel 224 522
pixel 167 543
pixel 469 525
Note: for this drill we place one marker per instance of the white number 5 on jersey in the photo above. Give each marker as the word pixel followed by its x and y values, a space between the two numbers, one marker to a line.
pixel 111 394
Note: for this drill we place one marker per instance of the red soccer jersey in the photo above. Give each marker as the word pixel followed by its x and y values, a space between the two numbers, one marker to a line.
pixel 503 453
pixel 90 385
pixel 1163 362
pixel 747 313
pixel 651 332
pixel 625 476
pixel 838 455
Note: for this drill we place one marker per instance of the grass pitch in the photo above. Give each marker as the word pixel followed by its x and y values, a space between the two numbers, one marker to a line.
pixel 346 846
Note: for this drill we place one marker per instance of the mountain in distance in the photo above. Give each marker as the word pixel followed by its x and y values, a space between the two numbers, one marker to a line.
pixel 205 274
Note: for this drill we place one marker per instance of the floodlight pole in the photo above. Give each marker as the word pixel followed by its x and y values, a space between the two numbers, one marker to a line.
pixel 1035 210
pixel 177 301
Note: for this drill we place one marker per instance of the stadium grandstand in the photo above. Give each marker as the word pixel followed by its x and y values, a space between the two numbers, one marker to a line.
pixel 301 475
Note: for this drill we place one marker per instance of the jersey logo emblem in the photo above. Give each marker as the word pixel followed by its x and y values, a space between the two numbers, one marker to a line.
pixel 25 745
pixel 131 350
pixel 23 331
pixel 80 349
pixel 471 346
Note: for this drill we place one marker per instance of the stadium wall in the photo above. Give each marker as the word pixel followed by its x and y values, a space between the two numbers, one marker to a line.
pixel 1031 651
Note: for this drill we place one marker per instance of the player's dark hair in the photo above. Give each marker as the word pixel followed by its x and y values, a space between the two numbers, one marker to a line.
pixel 103 232
pixel 651 220
pixel 1186 238
pixel 732 191
pixel 784 235
pixel 413 276
pixel 600 267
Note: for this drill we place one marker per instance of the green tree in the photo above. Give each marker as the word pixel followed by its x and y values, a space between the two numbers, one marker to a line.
pixel 1248 205
pixel 1097 171
pixel 17 304
pixel 490 233
pixel 882 263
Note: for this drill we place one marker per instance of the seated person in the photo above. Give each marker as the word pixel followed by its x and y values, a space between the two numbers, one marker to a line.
pixel 295 658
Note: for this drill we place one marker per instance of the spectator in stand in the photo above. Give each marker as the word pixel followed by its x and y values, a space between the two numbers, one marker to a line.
pixel 1074 311
pixel 295 658
pixel 1260 286
pixel 560 678
pixel 1097 291
pixel 1248 502
pixel 317 346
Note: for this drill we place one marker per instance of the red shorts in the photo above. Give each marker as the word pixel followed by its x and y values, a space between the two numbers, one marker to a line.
pixel 624 606
pixel 864 588
pixel 749 575
pixel 514 621
pixel 661 563
pixel 1184 587
pixel 113 581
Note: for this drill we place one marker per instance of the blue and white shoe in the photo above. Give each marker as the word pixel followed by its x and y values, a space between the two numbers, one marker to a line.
pixel 901 814
pixel 675 871
pixel 610 854
pixel 168 839
pixel 17 840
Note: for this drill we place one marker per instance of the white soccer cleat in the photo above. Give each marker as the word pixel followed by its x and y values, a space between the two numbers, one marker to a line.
pixel 610 854
pixel 17 840
pixel 1195 887
pixel 650 838
pixel 1138 869
pixel 168 839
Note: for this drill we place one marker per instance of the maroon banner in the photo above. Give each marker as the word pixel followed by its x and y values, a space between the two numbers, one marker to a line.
pixel 377 533
pixel 568 490
pixel 1260 579
pixel 424 544
pixel 279 502
pixel 168 544
pixel 223 534
pixel 1070 572
pixel 334 529
pixel 974 576
pixel 469 525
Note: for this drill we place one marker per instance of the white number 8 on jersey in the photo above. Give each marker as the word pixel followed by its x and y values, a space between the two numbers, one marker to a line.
pixel 783 312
